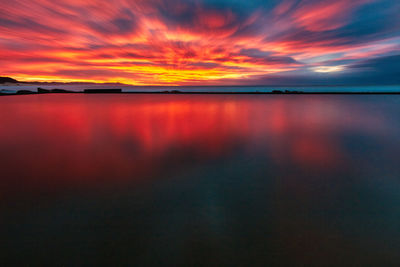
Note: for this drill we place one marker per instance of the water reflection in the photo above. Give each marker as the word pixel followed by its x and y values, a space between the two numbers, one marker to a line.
pixel 201 179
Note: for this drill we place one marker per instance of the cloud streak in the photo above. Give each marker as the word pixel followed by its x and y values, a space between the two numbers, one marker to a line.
pixel 183 42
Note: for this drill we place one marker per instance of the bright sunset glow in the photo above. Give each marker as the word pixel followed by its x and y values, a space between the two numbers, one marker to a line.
pixel 200 42
pixel 325 69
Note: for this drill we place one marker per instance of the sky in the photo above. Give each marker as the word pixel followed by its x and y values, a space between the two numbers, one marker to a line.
pixel 202 42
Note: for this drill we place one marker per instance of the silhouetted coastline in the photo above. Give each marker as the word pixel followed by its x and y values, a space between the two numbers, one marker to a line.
pixel 40 90
pixel 119 91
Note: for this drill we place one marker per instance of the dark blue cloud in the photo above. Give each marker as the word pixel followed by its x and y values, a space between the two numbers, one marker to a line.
pixel 383 65
pixel 377 71
pixel 356 41
pixel 370 22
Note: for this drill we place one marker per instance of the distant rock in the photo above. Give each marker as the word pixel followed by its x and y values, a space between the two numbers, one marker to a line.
pixel 25 92
pixel 171 92
pixel 7 80
pixel 102 91
pixel 287 92
pixel 62 91
pixel 43 91
pixel 293 92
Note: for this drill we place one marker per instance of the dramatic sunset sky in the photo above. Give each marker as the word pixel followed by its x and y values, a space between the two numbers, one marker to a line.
pixel 201 42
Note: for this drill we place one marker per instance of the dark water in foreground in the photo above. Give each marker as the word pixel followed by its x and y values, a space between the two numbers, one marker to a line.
pixel 197 179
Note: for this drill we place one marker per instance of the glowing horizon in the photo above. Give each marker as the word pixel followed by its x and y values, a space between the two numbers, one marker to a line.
pixel 201 42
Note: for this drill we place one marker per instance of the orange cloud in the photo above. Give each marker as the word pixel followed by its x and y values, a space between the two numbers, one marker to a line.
pixel 156 42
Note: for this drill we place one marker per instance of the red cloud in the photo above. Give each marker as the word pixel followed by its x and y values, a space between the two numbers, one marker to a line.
pixel 170 42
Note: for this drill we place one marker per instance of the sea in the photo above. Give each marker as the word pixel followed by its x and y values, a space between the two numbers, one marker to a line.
pixel 200 180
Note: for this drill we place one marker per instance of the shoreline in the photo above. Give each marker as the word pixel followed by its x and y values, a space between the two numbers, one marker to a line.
pixel 108 92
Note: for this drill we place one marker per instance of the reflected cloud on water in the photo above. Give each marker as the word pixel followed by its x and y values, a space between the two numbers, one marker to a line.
pixel 276 179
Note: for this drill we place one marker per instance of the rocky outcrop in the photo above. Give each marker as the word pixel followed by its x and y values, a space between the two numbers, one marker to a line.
pixel 7 80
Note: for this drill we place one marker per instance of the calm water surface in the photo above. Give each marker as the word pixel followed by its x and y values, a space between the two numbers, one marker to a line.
pixel 166 180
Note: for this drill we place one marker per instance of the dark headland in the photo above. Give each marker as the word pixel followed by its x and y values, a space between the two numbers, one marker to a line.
pixel 7 80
